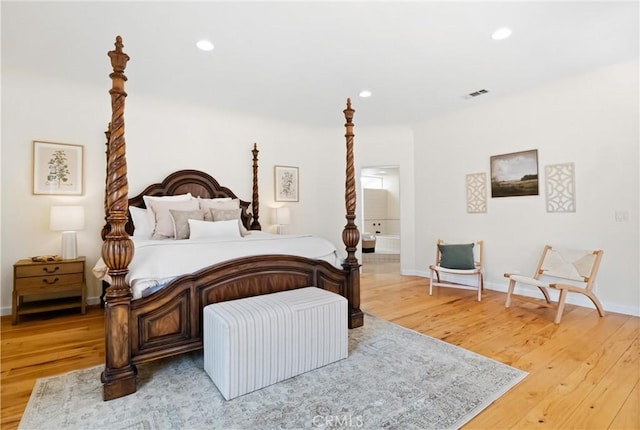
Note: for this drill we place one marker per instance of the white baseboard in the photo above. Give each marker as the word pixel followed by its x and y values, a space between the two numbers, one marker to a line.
pixel 574 299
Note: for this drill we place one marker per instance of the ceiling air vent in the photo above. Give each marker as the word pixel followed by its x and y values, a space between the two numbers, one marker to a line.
pixel 476 94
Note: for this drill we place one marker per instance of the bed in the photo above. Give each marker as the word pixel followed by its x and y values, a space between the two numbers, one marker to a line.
pixel 169 321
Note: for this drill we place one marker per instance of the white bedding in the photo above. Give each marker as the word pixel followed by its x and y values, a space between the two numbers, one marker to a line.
pixel 156 262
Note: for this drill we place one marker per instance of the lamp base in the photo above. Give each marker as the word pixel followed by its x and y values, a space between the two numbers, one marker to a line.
pixel 69 250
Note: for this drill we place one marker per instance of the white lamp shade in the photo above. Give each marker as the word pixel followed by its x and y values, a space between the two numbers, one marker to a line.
pixel 66 218
pixel 281 216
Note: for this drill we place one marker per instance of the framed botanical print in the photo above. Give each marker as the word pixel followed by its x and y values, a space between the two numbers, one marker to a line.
pixel 286 184
pixel 57 168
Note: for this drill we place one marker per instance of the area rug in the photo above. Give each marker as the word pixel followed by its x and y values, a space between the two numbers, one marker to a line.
pixel 394 378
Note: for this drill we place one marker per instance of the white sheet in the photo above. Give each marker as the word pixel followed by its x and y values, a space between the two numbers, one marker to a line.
pixel 156 262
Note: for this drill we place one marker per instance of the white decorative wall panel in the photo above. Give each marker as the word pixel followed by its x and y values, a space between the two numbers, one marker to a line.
pixel 560 187
pixel 476 193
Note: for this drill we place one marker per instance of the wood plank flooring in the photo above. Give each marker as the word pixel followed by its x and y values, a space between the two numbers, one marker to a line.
pixel 44 345
pixel 583 373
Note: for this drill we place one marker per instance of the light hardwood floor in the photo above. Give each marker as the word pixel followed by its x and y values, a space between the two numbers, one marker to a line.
pixel 583 373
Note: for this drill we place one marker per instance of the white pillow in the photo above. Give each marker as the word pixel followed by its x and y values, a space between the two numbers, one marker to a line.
pixel 149 199
pixel 218 230
pixel 142 227
pixel 217 203
pixel 224 203
pixel 164 221
pixel 215 200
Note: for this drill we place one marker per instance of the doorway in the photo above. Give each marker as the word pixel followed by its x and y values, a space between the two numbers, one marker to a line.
pixel 380 215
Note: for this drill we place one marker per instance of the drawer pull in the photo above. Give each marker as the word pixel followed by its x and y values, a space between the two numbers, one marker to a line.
pixel 46 281
pixel 54 270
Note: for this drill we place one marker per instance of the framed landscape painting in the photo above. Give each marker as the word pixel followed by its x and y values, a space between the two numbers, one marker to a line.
pixel 57 168
pixel 515 174
pixel 286 184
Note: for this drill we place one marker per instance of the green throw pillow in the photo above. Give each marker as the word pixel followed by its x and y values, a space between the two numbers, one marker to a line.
pixel 458 257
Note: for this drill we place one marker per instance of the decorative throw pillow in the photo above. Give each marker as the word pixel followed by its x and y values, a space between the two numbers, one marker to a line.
pixel 228 214
pixel 223 203
pixel 164 222
pixel 180 221
pixel 149 199
pixel 210 230
pixel 215 200
pixel 458 256
pixel 142 226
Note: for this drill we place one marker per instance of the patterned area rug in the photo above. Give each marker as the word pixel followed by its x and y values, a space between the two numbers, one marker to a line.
pixel 394 378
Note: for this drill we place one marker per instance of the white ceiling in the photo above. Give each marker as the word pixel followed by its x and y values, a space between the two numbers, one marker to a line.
pixel 298 61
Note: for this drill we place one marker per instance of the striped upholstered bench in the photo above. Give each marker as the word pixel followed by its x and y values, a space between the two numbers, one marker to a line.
pixel 255 342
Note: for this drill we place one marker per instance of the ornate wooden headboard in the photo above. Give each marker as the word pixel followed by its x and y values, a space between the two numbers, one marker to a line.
pixel 199 184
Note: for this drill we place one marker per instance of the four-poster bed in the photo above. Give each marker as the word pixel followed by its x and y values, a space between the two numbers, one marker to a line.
pixel 169 321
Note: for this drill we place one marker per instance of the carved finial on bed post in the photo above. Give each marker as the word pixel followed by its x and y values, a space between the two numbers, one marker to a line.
pixel 118 60
pixel 350 234
pixel 118 376
pixel 255 204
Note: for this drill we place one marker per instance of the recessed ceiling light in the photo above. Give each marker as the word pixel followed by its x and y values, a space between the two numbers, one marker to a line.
pixel 501 33
pixel 365 94
pixel 205 45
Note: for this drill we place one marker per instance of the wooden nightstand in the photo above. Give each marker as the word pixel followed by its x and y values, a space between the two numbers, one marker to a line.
pixel 48 286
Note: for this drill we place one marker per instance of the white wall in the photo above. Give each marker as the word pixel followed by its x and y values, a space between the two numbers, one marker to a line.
pixel 391 182
pixel 591 120
pixel 162 136
pixel 41 109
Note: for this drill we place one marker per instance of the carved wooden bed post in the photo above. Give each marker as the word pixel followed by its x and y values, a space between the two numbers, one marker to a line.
pixel 255 204
pixel 350 234
pixel 119 375
pixel 105 228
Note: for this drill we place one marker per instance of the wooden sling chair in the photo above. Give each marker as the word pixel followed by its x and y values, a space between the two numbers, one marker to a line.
pixel 564 270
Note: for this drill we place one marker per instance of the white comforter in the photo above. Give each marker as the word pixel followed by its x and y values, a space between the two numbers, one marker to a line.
pixel 156 262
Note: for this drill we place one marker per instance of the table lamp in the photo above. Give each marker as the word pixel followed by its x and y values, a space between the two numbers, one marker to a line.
pixel 68 220
pixel 281 217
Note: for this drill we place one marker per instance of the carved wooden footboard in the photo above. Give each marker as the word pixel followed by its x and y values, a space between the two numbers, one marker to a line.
pixel 169 321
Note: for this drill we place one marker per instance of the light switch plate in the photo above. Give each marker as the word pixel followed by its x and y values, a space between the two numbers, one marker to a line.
pixel 622 216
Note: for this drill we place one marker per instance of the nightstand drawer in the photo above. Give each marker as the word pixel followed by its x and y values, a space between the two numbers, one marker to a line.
pixel 42 283
pixel 58 268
